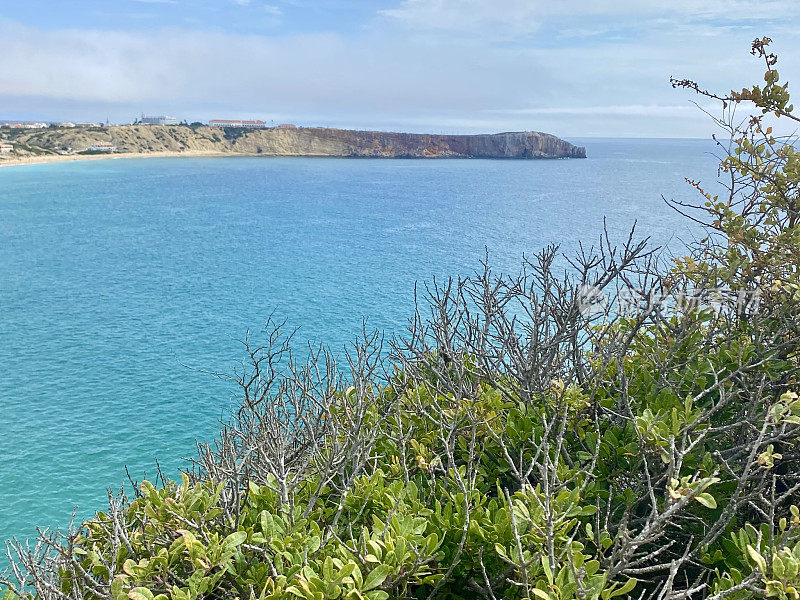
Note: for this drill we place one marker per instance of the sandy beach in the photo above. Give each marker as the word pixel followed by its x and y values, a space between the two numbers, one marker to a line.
pixel 14 161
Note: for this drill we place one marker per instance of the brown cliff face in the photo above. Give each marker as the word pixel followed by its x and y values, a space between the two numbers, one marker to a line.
pixel 340 142
pixel 302 141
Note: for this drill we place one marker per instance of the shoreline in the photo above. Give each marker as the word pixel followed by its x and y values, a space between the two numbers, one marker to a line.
pixel 51 158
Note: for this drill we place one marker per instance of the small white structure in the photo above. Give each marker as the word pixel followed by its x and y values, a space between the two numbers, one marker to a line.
pixel 161 120
pixel 6 148
pixel 237 123
pixel 101 147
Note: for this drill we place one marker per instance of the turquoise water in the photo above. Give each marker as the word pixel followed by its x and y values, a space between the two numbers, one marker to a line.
pixel 122 281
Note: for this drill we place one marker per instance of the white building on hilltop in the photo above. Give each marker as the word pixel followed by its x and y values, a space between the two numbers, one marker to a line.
pixel 237 123
pixel 6 148
pixel 162 120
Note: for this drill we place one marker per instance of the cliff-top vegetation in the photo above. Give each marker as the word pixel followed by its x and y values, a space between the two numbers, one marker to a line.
pixel 524 439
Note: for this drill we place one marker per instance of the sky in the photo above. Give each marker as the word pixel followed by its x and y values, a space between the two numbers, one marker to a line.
pixel 575 68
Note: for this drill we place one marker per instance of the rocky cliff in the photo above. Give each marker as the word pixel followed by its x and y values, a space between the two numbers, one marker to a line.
pixel 302 141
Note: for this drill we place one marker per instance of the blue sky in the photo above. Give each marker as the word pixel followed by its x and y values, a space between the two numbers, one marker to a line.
pixel 573 68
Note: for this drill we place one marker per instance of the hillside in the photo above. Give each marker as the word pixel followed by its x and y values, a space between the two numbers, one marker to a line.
pixel 304 141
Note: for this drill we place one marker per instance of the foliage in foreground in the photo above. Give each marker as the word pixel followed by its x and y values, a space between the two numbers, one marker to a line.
pixel 519 446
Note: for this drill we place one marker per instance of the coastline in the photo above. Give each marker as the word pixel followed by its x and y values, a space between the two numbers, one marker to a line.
pixel 135 141
pixel 51 158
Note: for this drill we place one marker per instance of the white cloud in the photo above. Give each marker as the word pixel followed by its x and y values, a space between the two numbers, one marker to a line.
pixel 214 68
pixel 382 77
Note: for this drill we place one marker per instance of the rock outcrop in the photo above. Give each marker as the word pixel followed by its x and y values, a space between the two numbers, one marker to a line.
pixel 301 141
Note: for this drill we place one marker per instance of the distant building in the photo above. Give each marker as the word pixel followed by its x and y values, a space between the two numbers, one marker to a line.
pixel 27 125
pixel 287 126
pixel 237 123
pixel 101 147
pixel 162 120
pixel 6 148
pixel 66 124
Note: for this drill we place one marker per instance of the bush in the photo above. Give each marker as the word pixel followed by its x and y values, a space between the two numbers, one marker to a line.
pixel 517 443
pixel 232 134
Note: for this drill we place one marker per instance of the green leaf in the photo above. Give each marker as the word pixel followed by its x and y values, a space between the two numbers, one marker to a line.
pixel 627 587
pixel 358 577
pixel 400 550
pixel 547 571
pixel 757 558
pixel 592 566
pixel 235 539
pixel 375 577
pixel 314 544
pixel 140 593
pixel 346 571
pixel 293 589
pixel 117 585
pixel 431 542
pixel 266 523
pixel 377 549
pixel 706 499
pixel 541 594
pixel 778 569
pixel 327 568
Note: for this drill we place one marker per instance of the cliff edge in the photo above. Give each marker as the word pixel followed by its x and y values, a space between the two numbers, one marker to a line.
pixel 301 141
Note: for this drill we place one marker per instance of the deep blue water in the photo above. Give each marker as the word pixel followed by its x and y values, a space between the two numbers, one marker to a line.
pixel 122 280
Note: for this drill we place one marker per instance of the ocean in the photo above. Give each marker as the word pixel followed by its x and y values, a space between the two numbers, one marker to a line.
pixel 124 283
